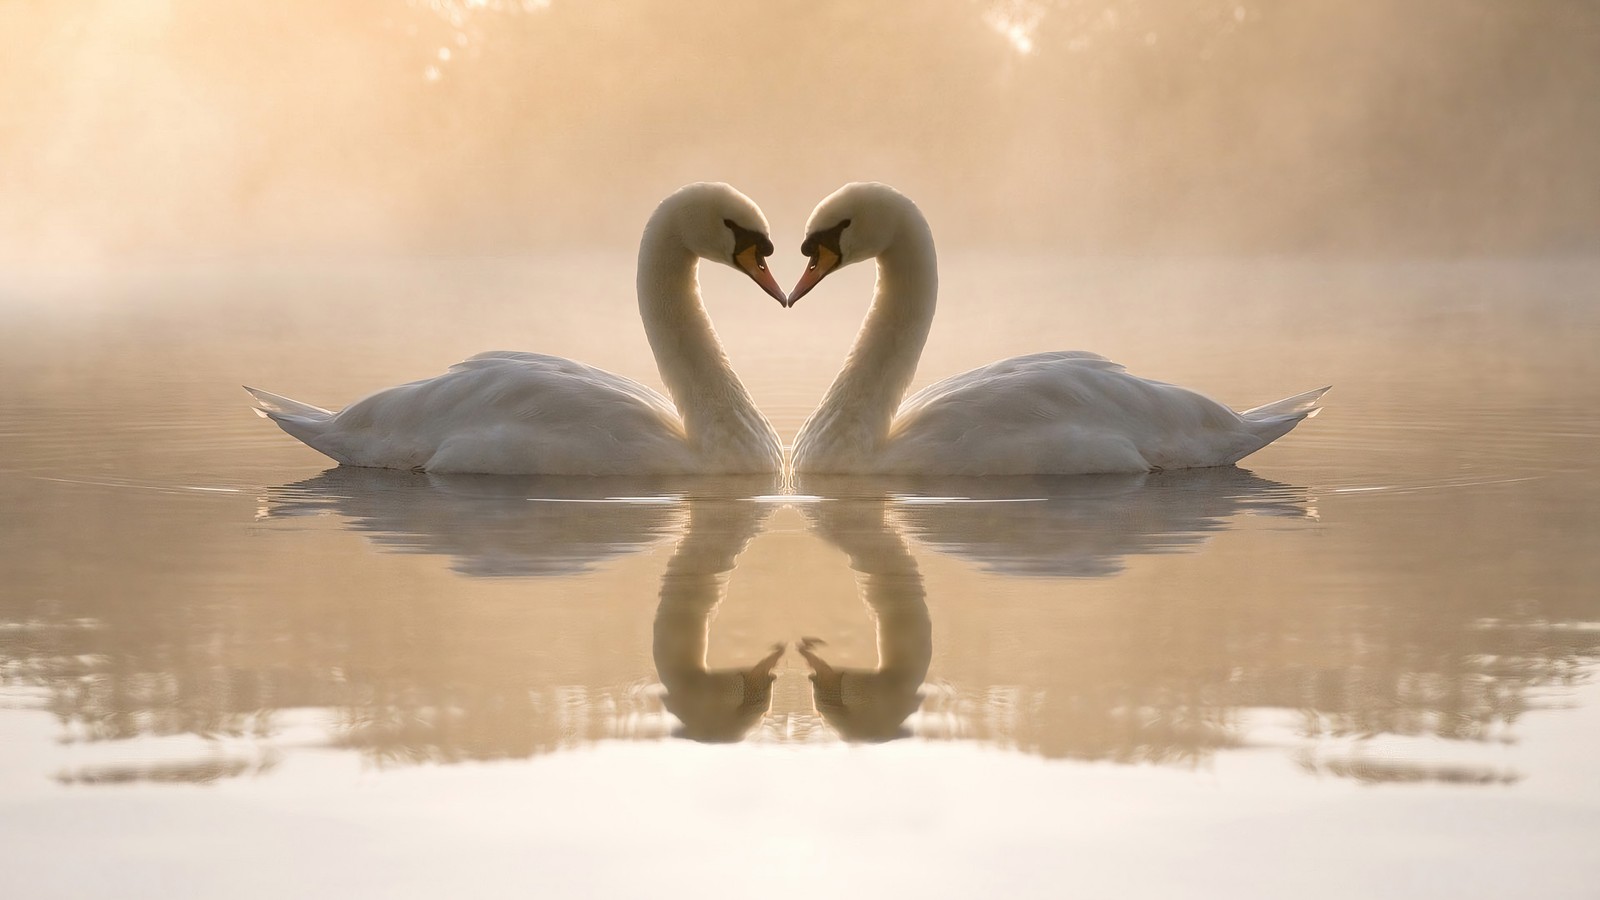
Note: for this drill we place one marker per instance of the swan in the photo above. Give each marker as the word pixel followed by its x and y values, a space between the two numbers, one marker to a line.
pixel 511 413
pixel 1060 413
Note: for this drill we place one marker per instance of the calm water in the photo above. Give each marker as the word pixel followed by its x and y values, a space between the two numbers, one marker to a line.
pixel 1363 667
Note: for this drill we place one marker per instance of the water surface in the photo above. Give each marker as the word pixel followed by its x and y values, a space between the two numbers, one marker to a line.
pixel 1360 665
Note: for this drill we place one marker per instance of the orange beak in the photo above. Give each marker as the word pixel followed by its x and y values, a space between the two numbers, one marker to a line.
pixel 753 265
pixel 824 262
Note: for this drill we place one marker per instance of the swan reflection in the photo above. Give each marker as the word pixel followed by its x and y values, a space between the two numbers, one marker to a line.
pixel 859 703
pixel 1070 526
pixel 712 705
pixel 872 704
pixel 507 526
pixel 551 641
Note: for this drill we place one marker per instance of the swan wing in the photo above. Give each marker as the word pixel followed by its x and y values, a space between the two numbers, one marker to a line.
pixel 561 367
pixel 1065 413
pixel 1002 369
pixel 509 413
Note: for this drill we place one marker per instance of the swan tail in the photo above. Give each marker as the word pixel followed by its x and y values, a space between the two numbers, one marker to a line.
pixel 1274 420
pixel 1290 409
pixel 278 408
pixel 302 421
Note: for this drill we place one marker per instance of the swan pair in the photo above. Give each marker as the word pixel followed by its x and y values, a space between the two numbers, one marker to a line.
pixel 724 704
pixel 1062 413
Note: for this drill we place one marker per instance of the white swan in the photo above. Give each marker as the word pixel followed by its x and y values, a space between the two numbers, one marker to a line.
pixel 505 412
pixel 1062 413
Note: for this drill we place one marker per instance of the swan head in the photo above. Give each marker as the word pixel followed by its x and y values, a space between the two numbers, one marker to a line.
pixel 855 223
pixel 717 223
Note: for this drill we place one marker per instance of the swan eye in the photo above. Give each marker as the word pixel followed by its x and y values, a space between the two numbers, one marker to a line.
pixel 745 238
pixel 827 237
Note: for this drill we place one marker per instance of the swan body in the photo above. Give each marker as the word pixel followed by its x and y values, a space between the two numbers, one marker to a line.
pixel 506 412
pixel 1060 413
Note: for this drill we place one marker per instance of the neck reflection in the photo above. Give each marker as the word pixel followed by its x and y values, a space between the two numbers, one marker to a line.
pixel 873 704
pixel 720 705
pixel 416 664
pixel 860 703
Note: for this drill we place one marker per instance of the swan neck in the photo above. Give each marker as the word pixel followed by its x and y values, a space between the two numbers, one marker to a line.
pixel 883 361
pixel 716 408
pixel 896 327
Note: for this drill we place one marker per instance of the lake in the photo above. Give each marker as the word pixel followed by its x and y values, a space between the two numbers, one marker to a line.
pixel 1362 664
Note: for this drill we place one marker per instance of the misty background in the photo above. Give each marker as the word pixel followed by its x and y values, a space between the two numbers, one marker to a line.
pixel 195 129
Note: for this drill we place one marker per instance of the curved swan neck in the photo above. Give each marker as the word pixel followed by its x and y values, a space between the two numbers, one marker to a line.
pixel 716 408
pixel 883 361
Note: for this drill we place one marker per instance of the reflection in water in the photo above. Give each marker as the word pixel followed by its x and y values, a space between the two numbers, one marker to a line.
pixel 1071 526
pixel 1171 673
pixel 199 772
pixel 505 525
pixel 872 704
pixel 720 705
